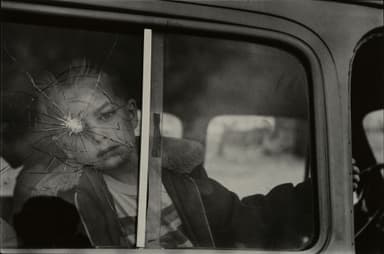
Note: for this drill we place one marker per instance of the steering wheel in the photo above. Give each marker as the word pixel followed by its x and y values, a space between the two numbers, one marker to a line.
pixel 373 168
pixel 372 189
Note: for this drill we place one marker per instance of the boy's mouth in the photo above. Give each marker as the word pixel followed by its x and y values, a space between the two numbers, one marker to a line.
pixel 108 151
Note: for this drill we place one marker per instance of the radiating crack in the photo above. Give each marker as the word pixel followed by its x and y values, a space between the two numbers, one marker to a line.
pixel 56 130
pixel 4 169
pixel 107 57
pixel 32 80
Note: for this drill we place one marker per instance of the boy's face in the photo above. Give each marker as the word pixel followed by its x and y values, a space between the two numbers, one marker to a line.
pixel 92 125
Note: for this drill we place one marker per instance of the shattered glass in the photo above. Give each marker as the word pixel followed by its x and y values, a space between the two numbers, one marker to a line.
pixel 65 95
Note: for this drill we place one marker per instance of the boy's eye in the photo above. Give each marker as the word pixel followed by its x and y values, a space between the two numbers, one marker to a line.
pixel 106 115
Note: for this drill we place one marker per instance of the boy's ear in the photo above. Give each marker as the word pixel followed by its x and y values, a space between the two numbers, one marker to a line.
pixel 132 112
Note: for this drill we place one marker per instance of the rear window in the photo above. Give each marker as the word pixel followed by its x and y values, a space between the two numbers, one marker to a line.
pixel 241 149
pixel 374 129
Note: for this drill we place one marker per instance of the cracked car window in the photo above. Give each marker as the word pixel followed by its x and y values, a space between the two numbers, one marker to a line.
pixel 70 102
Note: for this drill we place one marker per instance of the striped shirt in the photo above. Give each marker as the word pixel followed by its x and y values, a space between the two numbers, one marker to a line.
pixel 125 200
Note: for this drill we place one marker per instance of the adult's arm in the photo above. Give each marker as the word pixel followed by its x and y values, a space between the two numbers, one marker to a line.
pixel 282 219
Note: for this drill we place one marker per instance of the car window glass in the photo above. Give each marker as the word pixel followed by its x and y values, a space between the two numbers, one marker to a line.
pixel 70 100
pixel 245 145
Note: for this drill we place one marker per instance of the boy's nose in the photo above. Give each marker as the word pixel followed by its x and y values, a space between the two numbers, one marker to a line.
pixel 99 138
pixel 91 129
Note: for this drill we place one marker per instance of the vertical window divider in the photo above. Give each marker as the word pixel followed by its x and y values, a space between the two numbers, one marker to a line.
pixel 144 141
pixel 154 203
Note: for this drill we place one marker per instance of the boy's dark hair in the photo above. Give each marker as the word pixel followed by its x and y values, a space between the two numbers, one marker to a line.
pixel 125 88
pixel 49 222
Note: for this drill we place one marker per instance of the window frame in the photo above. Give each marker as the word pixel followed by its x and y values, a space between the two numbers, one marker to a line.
pixel 282 41
pixel 374 34
pixel 335 211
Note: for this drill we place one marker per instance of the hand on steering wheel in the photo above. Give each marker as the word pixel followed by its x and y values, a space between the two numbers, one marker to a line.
pixel 355 175
pixel 372 193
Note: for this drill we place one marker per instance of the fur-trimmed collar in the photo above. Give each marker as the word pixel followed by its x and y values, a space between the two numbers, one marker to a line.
pixel 181 155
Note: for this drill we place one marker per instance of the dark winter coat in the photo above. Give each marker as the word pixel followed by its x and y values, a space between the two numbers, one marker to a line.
pixel 211 215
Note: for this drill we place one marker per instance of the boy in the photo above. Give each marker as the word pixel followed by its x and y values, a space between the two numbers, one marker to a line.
pixel 83 115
